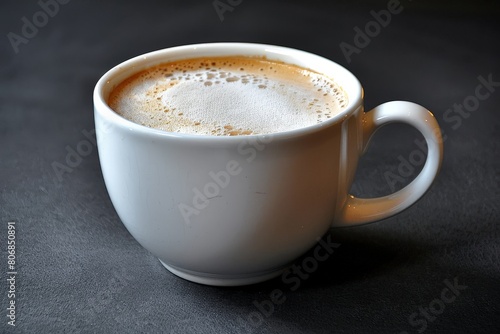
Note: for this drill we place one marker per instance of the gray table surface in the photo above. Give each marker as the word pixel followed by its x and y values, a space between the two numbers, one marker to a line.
pixel 80 271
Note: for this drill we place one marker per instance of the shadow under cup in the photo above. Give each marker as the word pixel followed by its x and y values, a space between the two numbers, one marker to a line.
pixel 237 210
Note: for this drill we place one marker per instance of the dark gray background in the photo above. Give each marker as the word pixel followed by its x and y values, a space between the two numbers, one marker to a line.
pixel 79 270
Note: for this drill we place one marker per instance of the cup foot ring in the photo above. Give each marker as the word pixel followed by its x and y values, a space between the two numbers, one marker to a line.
pixel 222 280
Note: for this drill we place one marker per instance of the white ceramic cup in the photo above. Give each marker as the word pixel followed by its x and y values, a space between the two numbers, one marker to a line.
pixel 238 210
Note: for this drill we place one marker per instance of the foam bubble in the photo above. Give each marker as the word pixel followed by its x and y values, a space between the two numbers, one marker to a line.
pixel 227 96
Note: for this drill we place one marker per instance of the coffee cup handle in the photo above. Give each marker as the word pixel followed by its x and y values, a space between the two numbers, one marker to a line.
pixel 358 211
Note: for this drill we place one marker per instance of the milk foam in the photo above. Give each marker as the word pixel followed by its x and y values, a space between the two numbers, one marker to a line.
pixel 227 96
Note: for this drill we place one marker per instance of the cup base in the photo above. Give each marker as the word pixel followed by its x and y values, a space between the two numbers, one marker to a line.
pixel 222 280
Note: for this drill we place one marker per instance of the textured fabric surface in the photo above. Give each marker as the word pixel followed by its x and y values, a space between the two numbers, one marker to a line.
pixel 434 268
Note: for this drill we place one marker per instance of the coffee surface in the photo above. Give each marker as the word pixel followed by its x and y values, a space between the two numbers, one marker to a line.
pixel 227 96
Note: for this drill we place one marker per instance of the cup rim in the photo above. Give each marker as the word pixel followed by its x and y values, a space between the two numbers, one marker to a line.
pixel 136 64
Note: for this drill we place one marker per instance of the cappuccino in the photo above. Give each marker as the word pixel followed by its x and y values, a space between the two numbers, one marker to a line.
pixel 227 96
